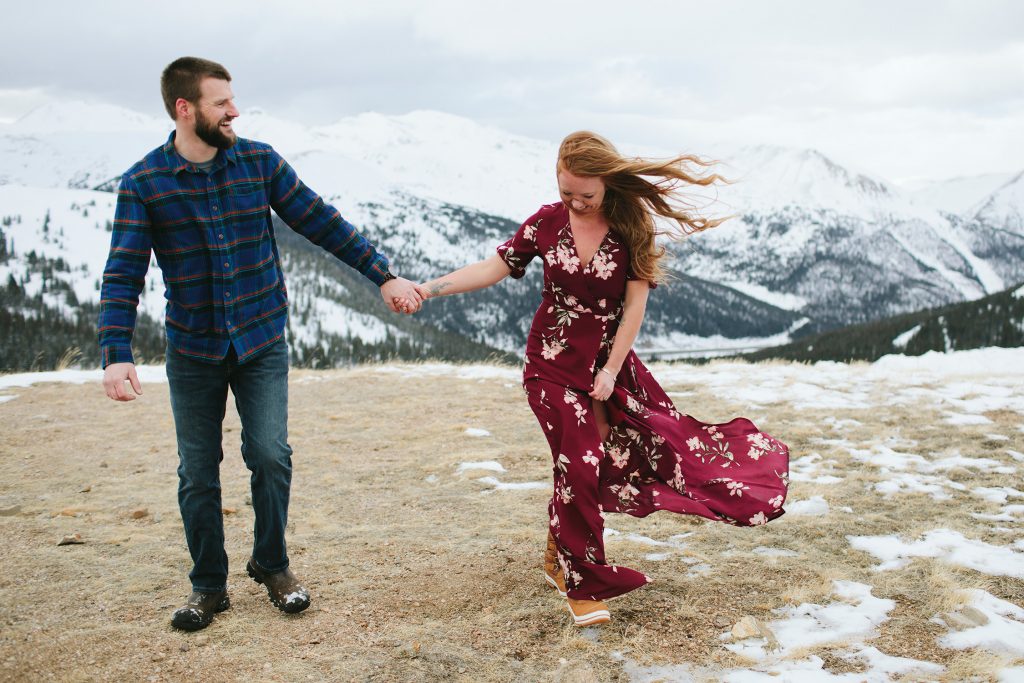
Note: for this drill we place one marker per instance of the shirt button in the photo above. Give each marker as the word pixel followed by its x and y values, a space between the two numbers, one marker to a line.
pixel 220 236
pixel 214 207
pixel 227 295
pixel 227 265
pixel 229 323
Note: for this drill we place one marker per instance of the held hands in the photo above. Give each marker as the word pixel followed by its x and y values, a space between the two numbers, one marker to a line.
pixel 114 378
pixel 401 296
pixel 425 292
pixel 405 304
pixel 604 384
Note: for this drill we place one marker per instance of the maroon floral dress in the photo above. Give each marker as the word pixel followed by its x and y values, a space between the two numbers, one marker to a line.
pixel 655 457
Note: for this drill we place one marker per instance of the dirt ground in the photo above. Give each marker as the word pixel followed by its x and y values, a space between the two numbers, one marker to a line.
pixel 419 573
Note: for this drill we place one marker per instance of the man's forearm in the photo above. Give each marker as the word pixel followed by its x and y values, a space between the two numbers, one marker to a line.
pixel 306 213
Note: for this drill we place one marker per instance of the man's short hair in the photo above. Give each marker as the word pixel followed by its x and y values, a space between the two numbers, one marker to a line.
pixel 182 77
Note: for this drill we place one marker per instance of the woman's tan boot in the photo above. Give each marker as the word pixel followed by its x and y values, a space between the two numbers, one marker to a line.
pixel 588 612
pixel 552 568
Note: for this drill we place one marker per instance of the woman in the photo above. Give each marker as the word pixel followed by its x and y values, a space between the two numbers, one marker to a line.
pixel 618 444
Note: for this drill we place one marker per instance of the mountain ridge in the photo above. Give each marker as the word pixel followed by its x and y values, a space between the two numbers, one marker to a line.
pixel 814 242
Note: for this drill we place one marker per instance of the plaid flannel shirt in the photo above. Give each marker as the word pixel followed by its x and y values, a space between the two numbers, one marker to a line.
pixel 214 241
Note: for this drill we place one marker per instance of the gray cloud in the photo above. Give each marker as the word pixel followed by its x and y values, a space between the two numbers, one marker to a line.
pixel 880 83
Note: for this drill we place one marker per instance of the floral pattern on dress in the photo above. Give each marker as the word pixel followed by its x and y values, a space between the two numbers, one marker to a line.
pixel 655 457
pixel 709 452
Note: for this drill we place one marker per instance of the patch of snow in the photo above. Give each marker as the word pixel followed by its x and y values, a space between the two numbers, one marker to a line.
pixel 854 616
pixel 812 507
pixel 901 341
pixel 514 486
pixel 489 465
pixel 945 544
pixel 1003 632
pixel 997 494
pixel 788 302
pixel 657 557
pixel 905 482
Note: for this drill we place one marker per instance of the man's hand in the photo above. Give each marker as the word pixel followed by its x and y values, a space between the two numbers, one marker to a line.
pixel 114 378
pixel 401 296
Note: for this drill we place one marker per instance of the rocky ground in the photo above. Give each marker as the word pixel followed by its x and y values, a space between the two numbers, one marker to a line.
pixel 901 556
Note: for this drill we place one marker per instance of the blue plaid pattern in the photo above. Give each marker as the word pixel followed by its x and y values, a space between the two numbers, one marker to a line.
pixel 214 241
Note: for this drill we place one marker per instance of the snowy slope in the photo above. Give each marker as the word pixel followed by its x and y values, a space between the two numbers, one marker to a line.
pixel 1004 206
pixel 812 236
pixel 956 195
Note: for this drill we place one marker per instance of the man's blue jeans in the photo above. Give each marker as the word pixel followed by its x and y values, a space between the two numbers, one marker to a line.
pixel 198 400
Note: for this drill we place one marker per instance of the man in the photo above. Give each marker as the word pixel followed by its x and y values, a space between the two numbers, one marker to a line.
pixel 201 203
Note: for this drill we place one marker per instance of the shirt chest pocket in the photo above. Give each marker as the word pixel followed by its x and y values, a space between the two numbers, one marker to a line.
pixel 248 201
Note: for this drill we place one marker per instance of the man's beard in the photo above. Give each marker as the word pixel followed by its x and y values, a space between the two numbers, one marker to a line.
pixel 212 134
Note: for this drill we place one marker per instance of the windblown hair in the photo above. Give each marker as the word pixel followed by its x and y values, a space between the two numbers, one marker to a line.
pixel 182 77
pixel 637 190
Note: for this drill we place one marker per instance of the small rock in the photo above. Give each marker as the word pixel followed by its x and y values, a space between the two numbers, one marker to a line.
pixel 85 489
pixel 968 617
pixel 74 539
pixel 10 511
pixel 229 511
pixel 159 656
pixel 957 622
pixel 104 465
pixel 974 614
pixel 202 640
pixel 68 512
pixel 184 647
pixel 139 513
pixel 746 627
pixel 721 622
pixel 248 500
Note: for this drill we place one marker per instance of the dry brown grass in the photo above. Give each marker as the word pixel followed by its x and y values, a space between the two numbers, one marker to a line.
pixel 417 574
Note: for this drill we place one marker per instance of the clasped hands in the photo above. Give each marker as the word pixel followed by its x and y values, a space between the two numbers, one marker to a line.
pixel 403 296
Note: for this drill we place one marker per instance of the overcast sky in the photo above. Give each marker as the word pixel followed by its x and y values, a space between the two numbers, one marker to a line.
pixel 909 90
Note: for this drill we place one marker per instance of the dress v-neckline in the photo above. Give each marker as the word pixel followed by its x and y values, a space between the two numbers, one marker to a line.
pixel 575 247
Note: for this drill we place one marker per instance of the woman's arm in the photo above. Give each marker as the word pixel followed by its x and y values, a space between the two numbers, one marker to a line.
pixel 466 279
pixel 633 309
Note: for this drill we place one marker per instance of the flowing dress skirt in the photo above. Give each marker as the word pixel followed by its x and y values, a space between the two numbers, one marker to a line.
pixel 655 458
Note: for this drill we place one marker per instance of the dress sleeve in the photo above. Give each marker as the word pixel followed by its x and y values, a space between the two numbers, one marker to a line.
pixel 520 249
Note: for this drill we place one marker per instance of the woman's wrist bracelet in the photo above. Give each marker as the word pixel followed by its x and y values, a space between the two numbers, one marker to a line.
pixel 607 372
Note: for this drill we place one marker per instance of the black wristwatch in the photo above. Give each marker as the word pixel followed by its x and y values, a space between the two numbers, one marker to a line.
pixel 388 277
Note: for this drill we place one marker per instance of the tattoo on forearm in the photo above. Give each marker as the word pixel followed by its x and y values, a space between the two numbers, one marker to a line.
pixel 436 289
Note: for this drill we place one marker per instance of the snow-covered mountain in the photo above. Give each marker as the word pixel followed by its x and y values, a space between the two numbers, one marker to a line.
pixel 956 195
pixel 848 245
pixel 815 244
